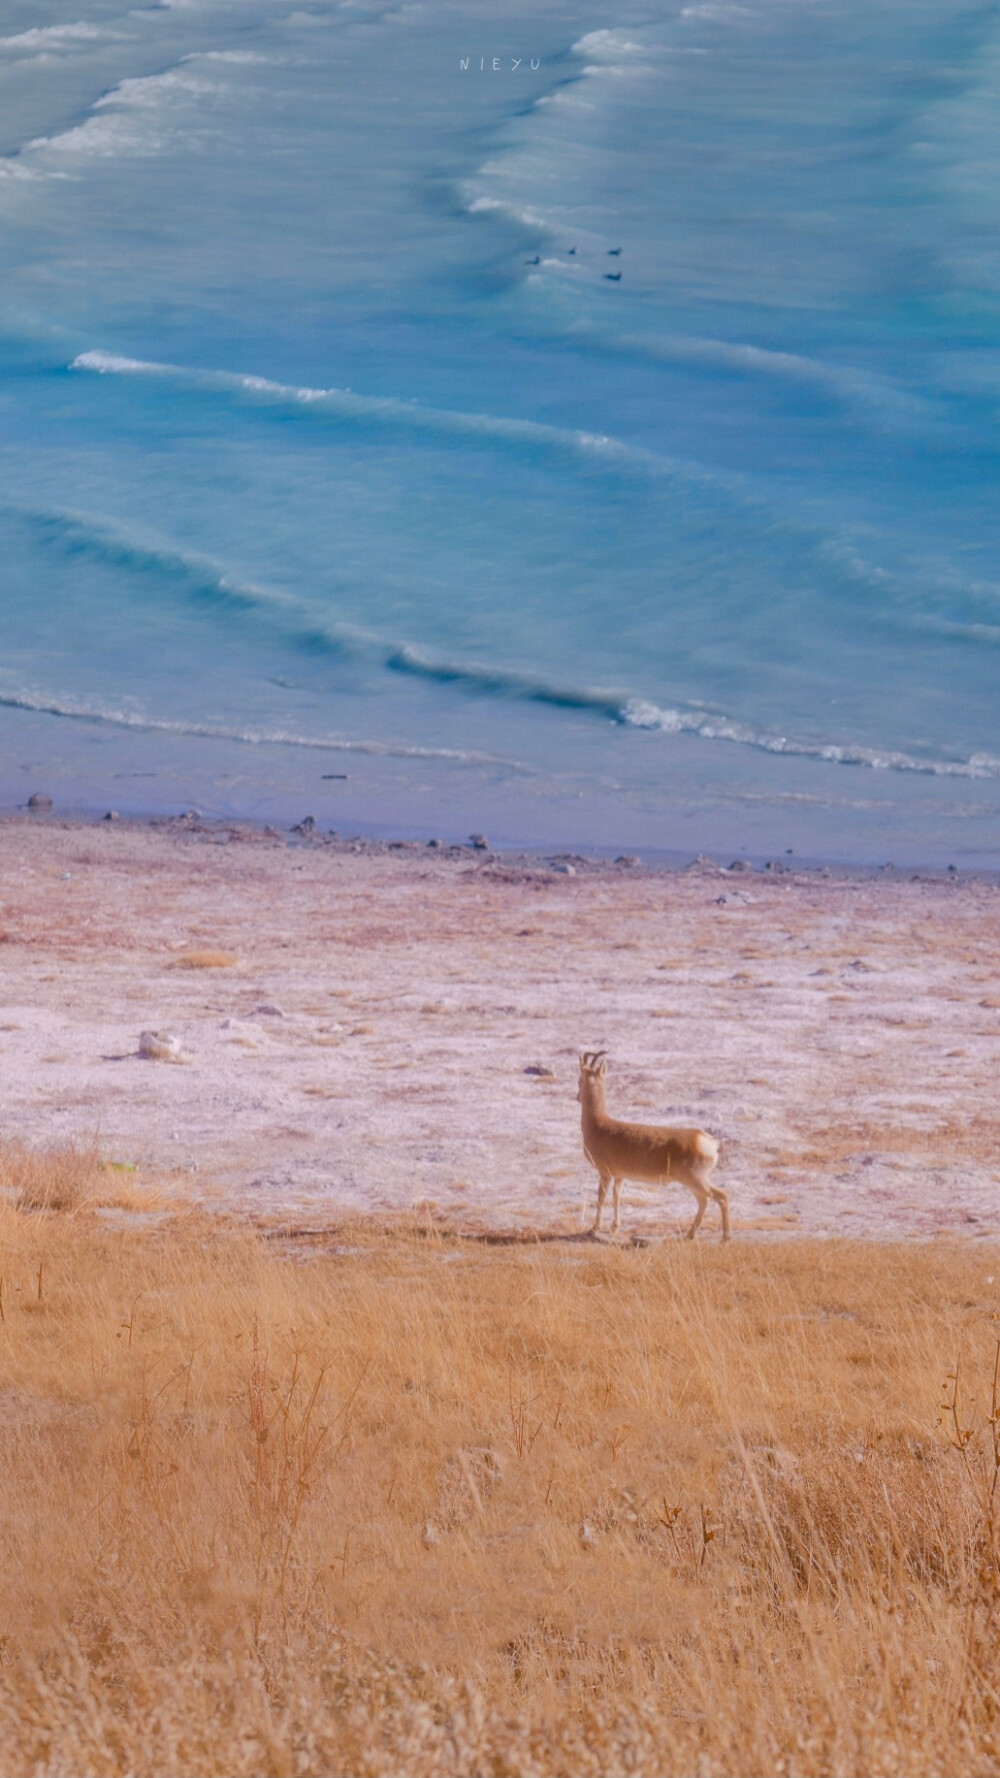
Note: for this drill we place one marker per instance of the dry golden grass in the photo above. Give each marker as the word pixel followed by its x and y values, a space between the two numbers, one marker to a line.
pixel 68 1179
pixel 387 1502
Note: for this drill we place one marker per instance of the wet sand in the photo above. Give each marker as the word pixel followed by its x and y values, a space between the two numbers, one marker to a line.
pixel 398 1025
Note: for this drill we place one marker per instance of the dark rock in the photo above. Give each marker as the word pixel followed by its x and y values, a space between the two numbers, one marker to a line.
pixel 479 842
pixel 39 800
pixel 629 859
pixel 112 815
pixel 539 1072
pixel 306 825
pixel 434 843
pixel 741 864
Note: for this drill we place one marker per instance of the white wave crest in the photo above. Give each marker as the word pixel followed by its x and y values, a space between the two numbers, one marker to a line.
pixel 52 36
pixel 107 363
pixel 79 710
pixel 640 713
pixel 608 45
pixel 386 410
pixel 142 116
pixel 519 213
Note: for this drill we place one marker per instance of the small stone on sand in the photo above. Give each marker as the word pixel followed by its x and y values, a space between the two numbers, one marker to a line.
pixel 159 1046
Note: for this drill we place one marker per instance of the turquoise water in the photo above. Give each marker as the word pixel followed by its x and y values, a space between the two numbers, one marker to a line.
pixel 599 450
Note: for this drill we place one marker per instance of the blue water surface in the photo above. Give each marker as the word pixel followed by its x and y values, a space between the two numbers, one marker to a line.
pixel 579 424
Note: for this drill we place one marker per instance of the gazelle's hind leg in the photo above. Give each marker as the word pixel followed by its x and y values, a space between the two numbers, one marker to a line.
pixel 603 1181
pixel 618 1183
pixel 702 1196
pixel 718 1196
pixel 722 1199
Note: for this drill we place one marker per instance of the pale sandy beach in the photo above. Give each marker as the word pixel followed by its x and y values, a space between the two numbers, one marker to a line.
pixel 401 1024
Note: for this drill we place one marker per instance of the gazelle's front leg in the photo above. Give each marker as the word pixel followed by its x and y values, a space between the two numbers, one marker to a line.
pixel 616 1201
pixel 604 1180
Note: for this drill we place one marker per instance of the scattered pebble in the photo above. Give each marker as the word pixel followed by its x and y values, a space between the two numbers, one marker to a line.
pixel 39 800
pixel 159 1046
pixel 539 1072
pixel 267 1011
pixel 479 842
pixel 629 859
pixel 306 825
pixel 112 815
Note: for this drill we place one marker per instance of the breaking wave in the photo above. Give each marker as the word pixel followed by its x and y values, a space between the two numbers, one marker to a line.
pixel 207 581
pixel 639 713
pixel 344 404
pixel 82 710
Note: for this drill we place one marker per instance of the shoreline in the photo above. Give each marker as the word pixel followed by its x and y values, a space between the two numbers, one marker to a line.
pixel 668 799
pixel 379 839
pixel 372 1026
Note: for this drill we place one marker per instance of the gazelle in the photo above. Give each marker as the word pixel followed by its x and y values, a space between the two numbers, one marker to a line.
pixel 649 1152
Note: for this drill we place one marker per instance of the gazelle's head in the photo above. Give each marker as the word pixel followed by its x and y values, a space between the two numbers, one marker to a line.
pixel 593 1067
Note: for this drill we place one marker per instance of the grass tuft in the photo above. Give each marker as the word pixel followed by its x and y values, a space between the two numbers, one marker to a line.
pixel 49 1179
pixel 67 1180
pixel 205 960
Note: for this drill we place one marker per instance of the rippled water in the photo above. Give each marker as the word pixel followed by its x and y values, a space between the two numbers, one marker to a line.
pixel 578 425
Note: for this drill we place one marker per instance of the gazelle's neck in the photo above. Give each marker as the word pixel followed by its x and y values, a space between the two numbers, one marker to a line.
pixel 592 1101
